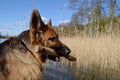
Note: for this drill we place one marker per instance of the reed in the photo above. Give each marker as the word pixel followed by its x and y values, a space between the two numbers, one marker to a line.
pixel 98 58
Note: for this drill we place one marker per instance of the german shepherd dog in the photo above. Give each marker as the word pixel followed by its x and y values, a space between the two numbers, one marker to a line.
pixel 21 57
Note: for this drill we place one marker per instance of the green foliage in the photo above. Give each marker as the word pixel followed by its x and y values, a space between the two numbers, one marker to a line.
pixel 5 36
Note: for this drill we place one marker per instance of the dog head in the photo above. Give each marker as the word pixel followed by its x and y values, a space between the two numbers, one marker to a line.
pixel 46 36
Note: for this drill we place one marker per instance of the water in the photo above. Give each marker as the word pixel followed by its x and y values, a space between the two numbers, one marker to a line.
pixel 56 71
pixel 2 39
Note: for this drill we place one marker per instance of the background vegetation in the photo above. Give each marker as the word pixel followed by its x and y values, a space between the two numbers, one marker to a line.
pixel 91 17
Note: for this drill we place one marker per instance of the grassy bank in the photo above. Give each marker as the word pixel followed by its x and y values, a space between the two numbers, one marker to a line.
pixel 98 58
pixel 5 36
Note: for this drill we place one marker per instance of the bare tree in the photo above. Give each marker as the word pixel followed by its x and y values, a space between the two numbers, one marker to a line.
pixel 94 13
pixel 86 11
pixel 111 13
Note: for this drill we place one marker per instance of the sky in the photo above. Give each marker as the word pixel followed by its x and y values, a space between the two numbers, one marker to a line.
pixel 15 14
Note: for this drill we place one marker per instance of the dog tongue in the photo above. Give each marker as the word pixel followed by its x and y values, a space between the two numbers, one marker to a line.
pixel 70 58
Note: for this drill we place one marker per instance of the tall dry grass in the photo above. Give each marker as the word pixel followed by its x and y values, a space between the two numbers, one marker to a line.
pixel 98 58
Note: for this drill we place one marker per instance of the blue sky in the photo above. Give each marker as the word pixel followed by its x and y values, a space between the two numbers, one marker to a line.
pixel 15 14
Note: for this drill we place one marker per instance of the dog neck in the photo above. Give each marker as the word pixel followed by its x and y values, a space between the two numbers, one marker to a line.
pixel 25 38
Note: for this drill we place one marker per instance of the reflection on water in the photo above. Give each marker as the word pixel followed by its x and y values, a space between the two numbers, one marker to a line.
pixel 56 71
pixel 2 39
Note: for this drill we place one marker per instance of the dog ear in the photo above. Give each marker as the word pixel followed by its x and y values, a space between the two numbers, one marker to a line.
pixel 45 27
pixel 35 27
pixel 49 22
pixel 36 22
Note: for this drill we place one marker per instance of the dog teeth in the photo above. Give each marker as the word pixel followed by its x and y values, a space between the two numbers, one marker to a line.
pixel 58 59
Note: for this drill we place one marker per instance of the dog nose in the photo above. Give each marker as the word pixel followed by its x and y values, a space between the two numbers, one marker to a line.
pixel 67 51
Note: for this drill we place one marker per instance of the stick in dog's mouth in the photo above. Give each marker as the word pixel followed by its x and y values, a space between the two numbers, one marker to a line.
pixel 50 51
pixel 70 58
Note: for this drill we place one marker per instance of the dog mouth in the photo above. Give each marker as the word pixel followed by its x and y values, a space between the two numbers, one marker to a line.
pixel 54 58
pixel 57 58
pixel 56 54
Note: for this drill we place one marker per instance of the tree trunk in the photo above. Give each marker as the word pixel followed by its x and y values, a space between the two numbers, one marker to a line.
pixel 112 11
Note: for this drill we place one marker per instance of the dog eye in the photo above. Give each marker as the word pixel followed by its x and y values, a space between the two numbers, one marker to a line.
pixel 52 39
